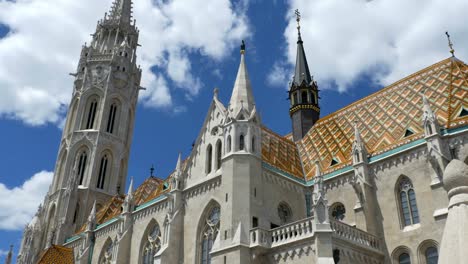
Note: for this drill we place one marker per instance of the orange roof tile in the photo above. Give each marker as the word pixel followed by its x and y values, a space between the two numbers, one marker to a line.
pixel 281 153
pixel 384 116
pixel 57 254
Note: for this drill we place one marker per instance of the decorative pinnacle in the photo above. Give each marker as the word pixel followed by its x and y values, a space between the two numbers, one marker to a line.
pixel 152 170
pixel 450 44
pixel 242 48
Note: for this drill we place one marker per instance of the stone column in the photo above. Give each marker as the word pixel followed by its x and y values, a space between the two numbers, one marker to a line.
pixel 455 238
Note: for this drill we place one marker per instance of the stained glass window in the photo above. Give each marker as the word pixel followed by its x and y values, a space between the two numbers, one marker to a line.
pixel 408 205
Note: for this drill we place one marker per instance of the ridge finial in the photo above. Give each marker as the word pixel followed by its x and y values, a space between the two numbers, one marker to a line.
pixel 242 48
pixel 298 20
pixel 450 44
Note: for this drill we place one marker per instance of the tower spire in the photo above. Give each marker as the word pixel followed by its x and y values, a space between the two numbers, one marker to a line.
pixel 242 98
pixel 303 93
pixel 121 10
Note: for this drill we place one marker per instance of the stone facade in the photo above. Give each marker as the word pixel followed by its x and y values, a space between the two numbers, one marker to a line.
pixel 247 195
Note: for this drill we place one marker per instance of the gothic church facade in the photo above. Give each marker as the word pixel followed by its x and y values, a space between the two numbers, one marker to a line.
pixel 383 180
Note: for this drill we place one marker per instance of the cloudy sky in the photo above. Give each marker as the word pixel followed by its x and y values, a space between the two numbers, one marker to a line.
pixel 188 48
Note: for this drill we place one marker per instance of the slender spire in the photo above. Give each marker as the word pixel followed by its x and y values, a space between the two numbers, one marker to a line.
pixel 179 165
pixel 450 44
pixel 9 256
pixel 130 190
pixel 92 218
pixel 242 97
pixel 428 113
pixel 302 73
pixel 121 10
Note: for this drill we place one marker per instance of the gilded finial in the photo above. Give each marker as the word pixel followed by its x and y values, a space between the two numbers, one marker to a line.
pixel 450 44
pixel 242 50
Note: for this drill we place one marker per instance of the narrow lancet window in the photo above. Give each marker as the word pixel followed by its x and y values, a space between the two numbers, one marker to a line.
pixel 209 156
pixel 82 166
pixel 111 119
pixel 209 233
pixel 91 114
pixel 102 172
pixel 218 154
pixel 241 142
pixel 407 199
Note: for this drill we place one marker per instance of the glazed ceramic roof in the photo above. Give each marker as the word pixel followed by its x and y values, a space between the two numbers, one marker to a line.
pixel 57 254
pixel 384 117
pixel 281 153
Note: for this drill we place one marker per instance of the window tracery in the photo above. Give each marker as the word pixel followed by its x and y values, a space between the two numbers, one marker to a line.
pixel 338 211
pixel 284 213
pixel 152 245
pixel 209 234
pixel 407 199
pixel 107 255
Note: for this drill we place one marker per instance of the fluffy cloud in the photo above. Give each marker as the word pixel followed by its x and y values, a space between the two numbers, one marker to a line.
pixel 19 204
pixel 385 39
pixel 45 39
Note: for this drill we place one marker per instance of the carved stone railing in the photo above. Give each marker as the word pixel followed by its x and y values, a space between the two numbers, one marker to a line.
pixel 281 235
pixel 101 57
pixel 349 233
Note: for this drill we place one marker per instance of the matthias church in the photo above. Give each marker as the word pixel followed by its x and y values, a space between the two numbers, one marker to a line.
pixel 383 180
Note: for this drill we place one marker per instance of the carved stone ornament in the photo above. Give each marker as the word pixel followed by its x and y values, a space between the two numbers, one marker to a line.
pixel 99 74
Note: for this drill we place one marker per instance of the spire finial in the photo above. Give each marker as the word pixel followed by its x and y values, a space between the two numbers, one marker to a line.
pixel 215 93
pixel 152 170
pixel 450 44
pixel 298 20
pixel 242 48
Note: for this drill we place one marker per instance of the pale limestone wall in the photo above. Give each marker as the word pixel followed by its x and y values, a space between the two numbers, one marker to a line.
pixel 340 191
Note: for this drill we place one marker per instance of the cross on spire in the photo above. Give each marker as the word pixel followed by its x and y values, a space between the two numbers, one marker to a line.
pixel 298 20
pixel 450 44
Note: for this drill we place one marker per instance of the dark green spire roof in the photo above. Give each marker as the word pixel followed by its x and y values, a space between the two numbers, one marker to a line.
pixel 302 72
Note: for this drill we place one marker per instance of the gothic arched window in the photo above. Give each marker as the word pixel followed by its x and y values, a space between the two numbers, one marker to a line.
pixel 338 211
pixel 208 235
pixel 209 156
pixel 228 144
pixel 219 153
pixel 82 166
pixel 111 119
pixel 91 113
pixel 404 259
pixel 107 254
pixel 432 256
pixel 304 97
pixel 152 245
pixel 102 172
pixel 407 199
pixel 241 142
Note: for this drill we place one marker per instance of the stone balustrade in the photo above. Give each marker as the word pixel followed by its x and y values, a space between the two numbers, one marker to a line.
pixel 281 235
pixel 352 234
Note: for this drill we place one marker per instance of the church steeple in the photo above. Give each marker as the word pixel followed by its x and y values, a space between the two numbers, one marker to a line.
pixel 242 101
pixel 303 92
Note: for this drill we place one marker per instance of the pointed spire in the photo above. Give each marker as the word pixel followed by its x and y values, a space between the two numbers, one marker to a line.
pixel 359 148
pixel 9 256
pixel 429 119
pixel 92 218
pixel 121 10
pixel 427 108
pixel 179 165
pixel 302 73
pixel 242 97
pixel 130 190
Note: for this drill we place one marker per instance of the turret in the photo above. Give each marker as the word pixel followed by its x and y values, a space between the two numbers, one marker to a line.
pixel 303 93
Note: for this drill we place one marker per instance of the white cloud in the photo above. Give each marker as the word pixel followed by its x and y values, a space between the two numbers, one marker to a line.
pixel 19 204
pixel 388 39
pixel 278 75
pixel 45 39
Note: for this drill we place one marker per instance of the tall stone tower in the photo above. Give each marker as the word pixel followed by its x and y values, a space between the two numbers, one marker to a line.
pixel 94 149
pixel 303 93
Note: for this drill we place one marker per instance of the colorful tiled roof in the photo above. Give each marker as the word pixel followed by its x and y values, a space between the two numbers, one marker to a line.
pixel 281 153
pixel 384 117
pixel 57 254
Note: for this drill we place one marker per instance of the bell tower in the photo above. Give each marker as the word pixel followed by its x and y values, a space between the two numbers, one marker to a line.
pixel 94 150
pixel 303 93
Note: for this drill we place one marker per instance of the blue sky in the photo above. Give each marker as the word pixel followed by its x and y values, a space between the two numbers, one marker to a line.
pixel 353 49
